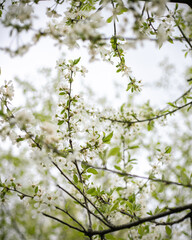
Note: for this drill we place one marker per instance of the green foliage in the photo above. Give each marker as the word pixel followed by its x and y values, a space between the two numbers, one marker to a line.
pixel 107 139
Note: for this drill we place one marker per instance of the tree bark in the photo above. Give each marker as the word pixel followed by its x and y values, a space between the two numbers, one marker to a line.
pixel 188 2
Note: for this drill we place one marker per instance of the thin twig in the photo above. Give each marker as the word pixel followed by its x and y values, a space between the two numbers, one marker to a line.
pixel 173 222
pixel 62 173
pixel 75 220
pixel 180 29
pixel 71 145
pixel 59 220
pixel 167 182
pixel 64 190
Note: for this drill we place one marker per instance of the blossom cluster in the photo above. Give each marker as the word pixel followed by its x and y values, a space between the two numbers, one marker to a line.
pixel 7 90
pixel 18 12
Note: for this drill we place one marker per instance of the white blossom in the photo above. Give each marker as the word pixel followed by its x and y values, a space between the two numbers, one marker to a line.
pixel 21 12
pixel 24 118
pixel 50 132
pixel 7 90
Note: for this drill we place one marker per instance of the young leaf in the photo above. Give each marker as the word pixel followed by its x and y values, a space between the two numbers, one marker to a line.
pixel 36 189
pixel 117 167
pixel 60 122
pixel 168 149
pixel 172 105
pixel 92 170
pixel 107 138
pixel 76 61
pixel 75 178
pixel 150 125
pixel 114 151
pixel 110 19
pixel 91 191
pixel 168 230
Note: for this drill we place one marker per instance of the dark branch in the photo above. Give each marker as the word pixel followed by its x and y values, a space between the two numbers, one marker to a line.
pixel 65 176
pixel 59 220
pixel 188 2
pixel 174 222
pixel 143 220
pixel 75 220
pixel 64 190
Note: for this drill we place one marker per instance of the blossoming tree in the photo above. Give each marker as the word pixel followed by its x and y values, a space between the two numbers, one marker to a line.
pixel 71 171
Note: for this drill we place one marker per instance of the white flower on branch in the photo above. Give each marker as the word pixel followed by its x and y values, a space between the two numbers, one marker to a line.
pixel 21 12
pixel 7 90
pixel 24 118
pixel 50 132
pixel 164 31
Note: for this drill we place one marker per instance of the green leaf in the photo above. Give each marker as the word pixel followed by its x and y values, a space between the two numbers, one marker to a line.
pixel 75 178
pixel 129 168
pixel 76 61
pixel 128 87
pixel 150 125
pixel 168 230
pixel 92 170
pixel 123 9
pixel 122 107
pixel 170 40
pixel 110 237
pixel 80 186
pixel 117 167
pixel 91 191
pixel 110 19
pixel 36 189
pixel 186 54
pixel 184 179
pixel 20 139
pixel 62 111
pixel 133 147
pixel 172 105
pixel 115 206
pixel 114 151
pixel 60 122
pixel 107 138
pixel 168 149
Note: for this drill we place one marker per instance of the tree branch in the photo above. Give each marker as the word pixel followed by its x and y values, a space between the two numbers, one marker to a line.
pixel 167 182
pixel 75 220
pixel 64 190
pixel 59 220
pixel 101 214
pixel 188 2
pixel 147 119
pixel 143 220
pixel 173 222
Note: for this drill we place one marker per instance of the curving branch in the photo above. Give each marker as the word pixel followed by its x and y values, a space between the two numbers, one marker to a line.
pixel 188 215
pixel 144 220
pixel 59 220
pixel 147 119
